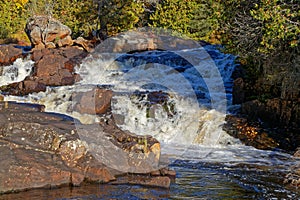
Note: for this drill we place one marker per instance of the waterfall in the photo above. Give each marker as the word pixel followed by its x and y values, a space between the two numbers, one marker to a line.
pixel 194 80
pixel 15 72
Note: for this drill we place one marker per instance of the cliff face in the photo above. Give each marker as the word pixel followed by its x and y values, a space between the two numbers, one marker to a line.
pixel 273 96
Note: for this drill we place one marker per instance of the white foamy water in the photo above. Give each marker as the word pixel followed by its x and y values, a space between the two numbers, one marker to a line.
pixel 193 114
pixel 192 119
pixel 16 72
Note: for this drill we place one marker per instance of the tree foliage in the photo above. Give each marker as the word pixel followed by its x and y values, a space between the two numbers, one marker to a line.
pixel 280 21
pixel 12 15
pixel 260 27
pixel 115 16
pixel 248 28
pixel 193 18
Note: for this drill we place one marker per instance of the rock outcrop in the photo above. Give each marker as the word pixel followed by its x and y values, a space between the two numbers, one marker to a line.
pixel 44 150
pixel 9 53
pixel 249 133
pixel 47 32
pixel 53 67
pixel 293 178
pixel 143 40
pixel 272 96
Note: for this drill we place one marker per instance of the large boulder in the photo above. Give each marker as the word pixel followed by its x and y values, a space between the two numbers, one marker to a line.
pixel 46 32
pixel 42 150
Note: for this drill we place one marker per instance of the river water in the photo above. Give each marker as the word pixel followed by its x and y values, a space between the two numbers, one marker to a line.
pixel 209 163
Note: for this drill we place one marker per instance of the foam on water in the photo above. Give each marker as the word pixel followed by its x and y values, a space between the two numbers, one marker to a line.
pixel 16 72
pixel 195 86
pixel 194 121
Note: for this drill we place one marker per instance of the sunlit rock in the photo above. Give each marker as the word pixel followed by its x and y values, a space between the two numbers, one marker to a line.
pixel 8 54
pixel 42 150
pixel 44 31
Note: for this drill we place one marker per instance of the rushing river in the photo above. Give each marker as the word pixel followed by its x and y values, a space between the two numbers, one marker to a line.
pixel 209 163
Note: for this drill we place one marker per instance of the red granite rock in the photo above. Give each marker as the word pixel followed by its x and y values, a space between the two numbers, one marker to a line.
pixel 9 53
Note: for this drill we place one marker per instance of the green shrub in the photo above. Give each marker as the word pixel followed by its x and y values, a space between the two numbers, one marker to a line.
pixel 261 27
pixel 196 19
pixel 12 18
pixel 115 16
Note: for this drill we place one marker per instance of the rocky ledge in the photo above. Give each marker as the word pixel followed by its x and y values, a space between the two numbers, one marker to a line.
pixel 52 67
pixel 44 150
pixel 260 136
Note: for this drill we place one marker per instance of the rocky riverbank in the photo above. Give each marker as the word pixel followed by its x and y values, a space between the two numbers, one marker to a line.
pixel 271 98
pixel 44 150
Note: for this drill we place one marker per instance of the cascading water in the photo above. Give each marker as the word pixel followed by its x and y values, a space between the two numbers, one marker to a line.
pixel 15 72
pixel 187 116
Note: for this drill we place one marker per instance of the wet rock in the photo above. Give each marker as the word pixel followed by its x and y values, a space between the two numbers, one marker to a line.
pixel 238 94
pixel 44 31
pixel 164 172
pixel 9 53
pixel 134 153
pixel 56 66
pixel 276 112
pixel 33 86
pixel 155 181
pixel 297 153
pixel 293 178
pixel 53 67
pixel 44 150
pixel 96 101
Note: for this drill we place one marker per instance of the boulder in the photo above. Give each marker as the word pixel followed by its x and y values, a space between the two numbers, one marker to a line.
pixel 45 150
pixel 45 31
pixel 55 67
pixel 9 53
pixel 96 101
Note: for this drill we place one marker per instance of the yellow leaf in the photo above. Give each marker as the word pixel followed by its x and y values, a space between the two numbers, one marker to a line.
pixel 19 6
